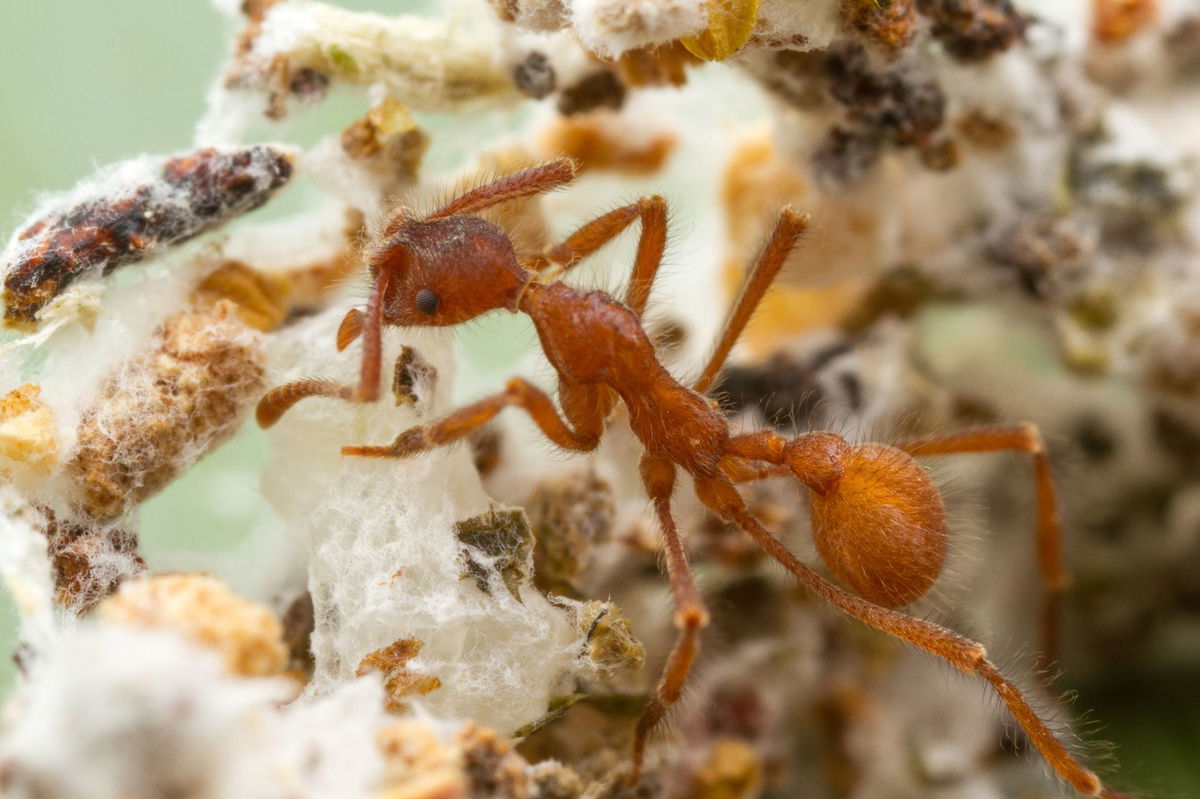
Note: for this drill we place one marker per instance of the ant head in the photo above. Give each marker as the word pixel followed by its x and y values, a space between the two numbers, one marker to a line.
pixel 446 271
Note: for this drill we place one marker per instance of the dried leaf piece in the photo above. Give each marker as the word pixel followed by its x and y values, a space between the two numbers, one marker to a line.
pixel 27 434
pixel 191 194
pixel 498 540
pixel 204 610
pixel 730 23
pixel 398 681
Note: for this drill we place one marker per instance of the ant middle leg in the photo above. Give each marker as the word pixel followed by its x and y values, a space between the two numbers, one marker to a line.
pixel 518 392
pixel 787 232
pixel 1051 563
pixel 967 655
pixel 691 617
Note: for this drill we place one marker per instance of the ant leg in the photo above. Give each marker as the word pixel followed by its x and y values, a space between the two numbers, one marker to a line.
pixel 690 614
pixel 277 401
pixel 758 280
pixel 516 186
pixel 518 392
pixel 1022 438
pixel 652 211
pixel 970 657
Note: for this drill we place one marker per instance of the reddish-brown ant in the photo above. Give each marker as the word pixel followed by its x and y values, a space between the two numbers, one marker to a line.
pixel 877 519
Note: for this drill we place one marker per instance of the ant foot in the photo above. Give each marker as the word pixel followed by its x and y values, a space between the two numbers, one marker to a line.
pixel 410 442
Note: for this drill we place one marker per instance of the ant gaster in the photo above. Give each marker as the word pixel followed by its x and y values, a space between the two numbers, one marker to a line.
pixel 877 519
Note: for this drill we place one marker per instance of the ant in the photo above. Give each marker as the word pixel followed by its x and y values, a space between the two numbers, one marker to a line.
pixel 877 519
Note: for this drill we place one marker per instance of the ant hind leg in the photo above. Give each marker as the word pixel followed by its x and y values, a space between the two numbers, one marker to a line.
pixel 691 617
pixel 1051 563
pixel 970 657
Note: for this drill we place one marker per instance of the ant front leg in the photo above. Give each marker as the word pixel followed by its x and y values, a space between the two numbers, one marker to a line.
pixel 370 325
pixel 652 211
pixel 658 476
pixel 518 392
pixel 1022 438
pixel 970 657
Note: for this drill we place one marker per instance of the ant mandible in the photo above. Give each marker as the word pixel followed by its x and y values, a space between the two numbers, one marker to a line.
pixel 877 519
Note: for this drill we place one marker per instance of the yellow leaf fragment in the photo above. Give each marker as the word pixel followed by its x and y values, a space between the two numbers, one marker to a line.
pixel 27 431
pixel 730 23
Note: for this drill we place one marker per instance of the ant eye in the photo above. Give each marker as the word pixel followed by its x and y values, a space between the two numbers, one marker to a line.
pixel 427 302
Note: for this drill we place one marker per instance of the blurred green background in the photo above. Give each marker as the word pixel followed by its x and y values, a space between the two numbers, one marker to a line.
pixel 84 84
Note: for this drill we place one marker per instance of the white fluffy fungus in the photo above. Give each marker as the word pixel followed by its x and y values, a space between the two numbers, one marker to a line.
pixel 385 562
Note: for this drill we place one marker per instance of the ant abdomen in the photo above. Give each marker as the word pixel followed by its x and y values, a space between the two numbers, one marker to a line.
pixel 881 526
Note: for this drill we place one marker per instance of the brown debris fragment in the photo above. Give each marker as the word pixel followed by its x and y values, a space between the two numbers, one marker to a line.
pixel 299 621
pixel 534 76
pixel 661 65
pixel 485 449
pixel 260 300
pixel 282 79
pixel 985 131
pixel 554 780
pixel 398 681
pixel 417 765
pixel 900 292
pixel 600 89
pixel 413 377
pixel 546 16
pixel 202 608
pixel 192 194
pixel 1114 21
pixel 389 139
pixel 90 561
pixel 477 764
pixel 888 26
pixel 568 517
pixel 27 435
pixel 733 770
pixel 166 408
pixel 600 141
pixel 493 770
pixel 610 644
pixel 1046 253
pixel 894 106
pixel 974 30
pixel 499 539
